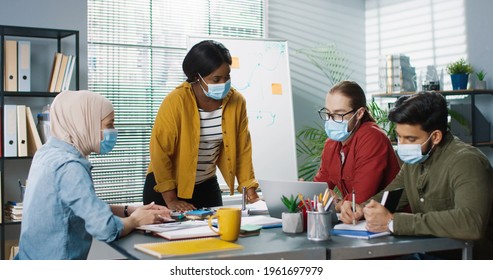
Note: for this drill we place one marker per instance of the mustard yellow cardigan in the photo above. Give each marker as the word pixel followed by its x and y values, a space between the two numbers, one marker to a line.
pixel 175 142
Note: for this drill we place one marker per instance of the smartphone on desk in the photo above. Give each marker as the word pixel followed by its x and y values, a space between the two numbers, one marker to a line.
pixel 198 214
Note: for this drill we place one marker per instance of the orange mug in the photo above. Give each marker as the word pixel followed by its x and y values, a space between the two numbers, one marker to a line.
pixel 228 223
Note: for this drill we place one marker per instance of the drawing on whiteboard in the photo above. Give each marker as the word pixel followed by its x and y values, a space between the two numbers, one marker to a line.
pixel 250 77
pixel 267 118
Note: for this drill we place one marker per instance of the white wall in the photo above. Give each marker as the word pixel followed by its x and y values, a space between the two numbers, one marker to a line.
pixel 310 23
pixel 480 53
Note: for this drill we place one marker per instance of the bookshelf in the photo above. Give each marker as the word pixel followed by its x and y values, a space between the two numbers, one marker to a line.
pixel 477 130
pixel 43 44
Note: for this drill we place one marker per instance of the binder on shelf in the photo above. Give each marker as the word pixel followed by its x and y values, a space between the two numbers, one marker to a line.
pixel 10 74
pixel 33 138
pixel 24 65
pixel 61 73
pixel 68 73
pixel 57 61
pixel 10 130
pixel 21 131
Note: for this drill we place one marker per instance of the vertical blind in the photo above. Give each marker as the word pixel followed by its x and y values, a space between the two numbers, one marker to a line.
pixel 135 51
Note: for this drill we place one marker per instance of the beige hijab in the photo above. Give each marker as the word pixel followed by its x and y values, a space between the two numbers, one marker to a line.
pixel 75 117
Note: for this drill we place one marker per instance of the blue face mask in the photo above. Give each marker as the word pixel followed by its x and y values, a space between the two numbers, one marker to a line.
pixel 338 131
pixel 411 153
pixel 109 140
pixel 216 91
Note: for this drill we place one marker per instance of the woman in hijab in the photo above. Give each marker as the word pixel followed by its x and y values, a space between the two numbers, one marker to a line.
pixel 61 210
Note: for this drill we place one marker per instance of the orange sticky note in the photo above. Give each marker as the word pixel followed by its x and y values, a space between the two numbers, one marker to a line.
pixel 276 88
pixel 235 62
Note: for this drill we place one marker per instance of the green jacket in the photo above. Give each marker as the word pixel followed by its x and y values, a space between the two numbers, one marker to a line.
pixel 450 195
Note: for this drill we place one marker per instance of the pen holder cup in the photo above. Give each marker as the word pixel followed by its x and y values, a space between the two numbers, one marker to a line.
pixel 319 225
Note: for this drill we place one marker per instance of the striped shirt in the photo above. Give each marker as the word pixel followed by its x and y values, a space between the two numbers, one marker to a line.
pixel 211 138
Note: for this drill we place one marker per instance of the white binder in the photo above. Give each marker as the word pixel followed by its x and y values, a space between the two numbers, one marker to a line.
pixel 10 130
pixel 68 72
pixel 10 74
pixel 21 131
pixel 24 65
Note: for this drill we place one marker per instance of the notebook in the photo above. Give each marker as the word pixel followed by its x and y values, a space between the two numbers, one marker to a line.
pixel 390 199
pixel 356 231
pixel 173 226
pixel 262 221
pixel 187 233
pixel 273 190
pixel 186 247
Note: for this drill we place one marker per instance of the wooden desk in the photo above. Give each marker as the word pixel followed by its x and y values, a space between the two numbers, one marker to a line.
pixel 274 244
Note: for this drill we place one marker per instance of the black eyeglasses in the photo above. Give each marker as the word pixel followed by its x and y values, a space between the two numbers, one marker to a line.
pixel 338 118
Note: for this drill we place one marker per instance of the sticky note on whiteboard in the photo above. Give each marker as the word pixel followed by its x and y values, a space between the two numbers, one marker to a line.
pixel 276 88
pixel 235 62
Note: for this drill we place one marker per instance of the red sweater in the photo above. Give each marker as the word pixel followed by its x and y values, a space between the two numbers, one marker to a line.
pixel 370 163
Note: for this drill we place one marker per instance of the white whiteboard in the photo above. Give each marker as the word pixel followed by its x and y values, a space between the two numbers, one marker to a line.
pixel 260 72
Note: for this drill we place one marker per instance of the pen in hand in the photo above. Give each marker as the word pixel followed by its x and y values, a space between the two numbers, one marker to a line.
pixel 354 207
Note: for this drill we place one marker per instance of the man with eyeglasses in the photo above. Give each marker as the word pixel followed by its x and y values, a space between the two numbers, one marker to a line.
pixel 358 156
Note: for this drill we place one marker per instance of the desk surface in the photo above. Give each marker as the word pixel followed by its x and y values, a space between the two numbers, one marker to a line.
pixel 275 244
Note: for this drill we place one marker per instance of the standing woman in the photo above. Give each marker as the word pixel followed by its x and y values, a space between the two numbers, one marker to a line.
pixel 62 212
pixel 357 155
pixel 201 124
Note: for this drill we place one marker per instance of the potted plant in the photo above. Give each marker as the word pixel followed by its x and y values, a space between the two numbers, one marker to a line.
pixel 480 83
pixel 292 220
pixel 459 73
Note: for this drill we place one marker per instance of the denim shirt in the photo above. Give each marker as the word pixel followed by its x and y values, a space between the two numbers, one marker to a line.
pixel 61 210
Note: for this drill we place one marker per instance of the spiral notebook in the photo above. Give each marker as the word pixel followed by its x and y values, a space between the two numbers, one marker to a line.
pixel 186 247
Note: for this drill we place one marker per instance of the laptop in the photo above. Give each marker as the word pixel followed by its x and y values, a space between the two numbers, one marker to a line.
pixel 272 190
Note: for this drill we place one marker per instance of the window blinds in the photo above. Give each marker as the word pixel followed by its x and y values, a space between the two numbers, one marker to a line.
pixel 135 51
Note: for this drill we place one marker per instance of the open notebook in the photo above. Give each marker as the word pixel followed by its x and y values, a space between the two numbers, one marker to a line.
pixel 356 231
pixel 186 247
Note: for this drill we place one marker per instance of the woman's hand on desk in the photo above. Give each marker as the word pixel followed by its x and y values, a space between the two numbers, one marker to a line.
pixel 252 195
pixel 180 205
pixel 144 215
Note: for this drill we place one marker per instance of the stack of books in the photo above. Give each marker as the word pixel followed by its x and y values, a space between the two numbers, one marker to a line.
pixel 13 211
pixel 61 72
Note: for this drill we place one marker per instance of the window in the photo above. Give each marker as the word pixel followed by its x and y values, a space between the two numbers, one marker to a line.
pixel 135 52
pixel 429 32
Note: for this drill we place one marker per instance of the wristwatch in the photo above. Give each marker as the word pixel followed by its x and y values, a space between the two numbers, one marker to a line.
pixel 125 211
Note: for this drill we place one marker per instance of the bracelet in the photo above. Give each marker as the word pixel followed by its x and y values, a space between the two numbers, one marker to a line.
pixel 125 211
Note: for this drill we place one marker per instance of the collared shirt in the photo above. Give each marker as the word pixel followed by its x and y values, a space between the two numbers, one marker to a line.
pixel 369 164
pixel 175 142
pixel 61 210
pixel 450 195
